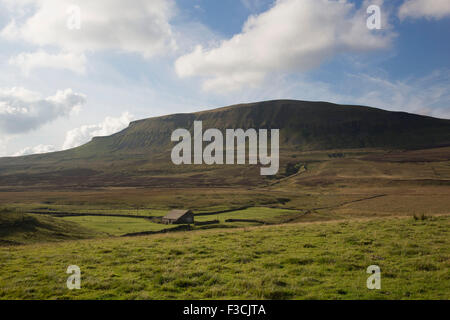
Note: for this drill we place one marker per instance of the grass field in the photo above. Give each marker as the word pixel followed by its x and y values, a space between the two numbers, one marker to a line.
pixel 270 215
pixel 292 261
pixel 117 226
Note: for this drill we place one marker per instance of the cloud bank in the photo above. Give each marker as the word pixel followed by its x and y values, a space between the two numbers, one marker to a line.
pixel 293 36
pixel 85 133
pixel 141 27
pixel 80 135
pixel 34 150
pixel 22 110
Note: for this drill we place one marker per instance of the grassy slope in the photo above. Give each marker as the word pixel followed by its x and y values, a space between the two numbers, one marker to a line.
pixel 17 228
pixel 297 261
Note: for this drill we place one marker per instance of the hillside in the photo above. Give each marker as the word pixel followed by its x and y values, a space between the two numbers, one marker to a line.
pixel 304 126
pixel 18 228
pixel 140 154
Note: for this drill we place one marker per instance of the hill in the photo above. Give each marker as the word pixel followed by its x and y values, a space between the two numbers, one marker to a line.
pixel 140 154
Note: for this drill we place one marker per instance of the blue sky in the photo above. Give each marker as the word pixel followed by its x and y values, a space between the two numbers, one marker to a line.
pixel 61 85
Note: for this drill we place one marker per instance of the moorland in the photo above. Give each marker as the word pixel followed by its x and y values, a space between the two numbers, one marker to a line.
pixel 357 186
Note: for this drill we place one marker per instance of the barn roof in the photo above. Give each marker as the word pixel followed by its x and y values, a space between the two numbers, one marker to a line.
pixel 176 214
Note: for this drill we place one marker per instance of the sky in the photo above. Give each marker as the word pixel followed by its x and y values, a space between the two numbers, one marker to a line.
pixel 75 69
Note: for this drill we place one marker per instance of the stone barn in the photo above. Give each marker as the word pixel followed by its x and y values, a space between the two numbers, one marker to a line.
pixel 179 217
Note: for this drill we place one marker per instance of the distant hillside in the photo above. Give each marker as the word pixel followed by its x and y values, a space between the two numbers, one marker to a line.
pixel 143 149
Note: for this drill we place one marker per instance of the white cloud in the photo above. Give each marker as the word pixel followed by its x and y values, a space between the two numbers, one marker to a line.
pixel 83 134
pixel 22 110
pixel 41 59
pixel 293 36
pixel 141 27
pixel 74 137
pixel 37 149
pixel 430 9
